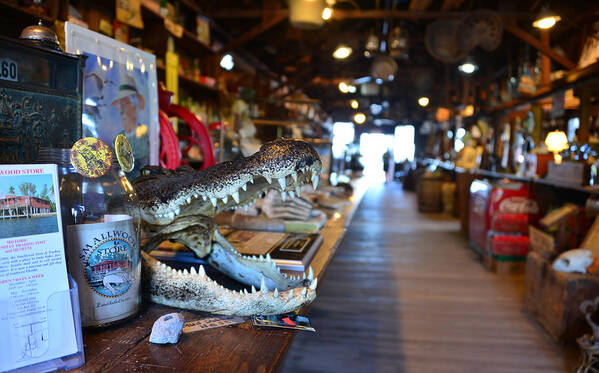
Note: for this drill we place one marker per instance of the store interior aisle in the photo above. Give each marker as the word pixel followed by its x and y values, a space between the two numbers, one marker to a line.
pixel 405 293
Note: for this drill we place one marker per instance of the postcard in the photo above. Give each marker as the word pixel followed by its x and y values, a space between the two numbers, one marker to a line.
pixel 32 268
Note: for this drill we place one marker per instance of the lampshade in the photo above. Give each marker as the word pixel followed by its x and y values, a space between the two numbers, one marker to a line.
pixel 556 141
pixel 546 19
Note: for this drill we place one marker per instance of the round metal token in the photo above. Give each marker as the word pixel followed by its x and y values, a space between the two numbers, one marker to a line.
pixel 91 157
pixel 124 153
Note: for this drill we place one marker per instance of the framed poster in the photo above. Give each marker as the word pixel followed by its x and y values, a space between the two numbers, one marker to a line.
pixel 120 93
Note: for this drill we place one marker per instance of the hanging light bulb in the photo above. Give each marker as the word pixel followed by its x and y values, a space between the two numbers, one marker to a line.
pixel 546 19
pixel 468 67
pixel 354 104
pixel 359 118
pixel 423 101
pixel 343 87
pixel 327 13
pixel 342 51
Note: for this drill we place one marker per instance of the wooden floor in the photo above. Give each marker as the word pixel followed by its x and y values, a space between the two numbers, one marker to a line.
pixel 406 294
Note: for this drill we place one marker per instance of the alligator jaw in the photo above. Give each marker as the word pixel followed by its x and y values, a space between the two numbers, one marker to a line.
pixel 194 290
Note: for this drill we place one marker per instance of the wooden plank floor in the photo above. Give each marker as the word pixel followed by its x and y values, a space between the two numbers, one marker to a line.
pixel 405 293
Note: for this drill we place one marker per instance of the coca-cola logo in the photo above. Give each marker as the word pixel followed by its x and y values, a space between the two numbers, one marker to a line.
pixel 518 205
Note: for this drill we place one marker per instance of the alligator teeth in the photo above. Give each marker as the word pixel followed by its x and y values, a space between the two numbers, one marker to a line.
pixel 310 273
pixel 204 197
pixel 314 283
pixel 282 182
pixel 304 291
pixel 268 257
pixel 290 294
pixel 193 271
pixel 314 181
pixel 291 194
pixel 268 179
pixel 225 199
pixel 283 195
pixel 188 200
pixel 298 191
pixel 171 215
pixel 177 211
pixel 244 187
pixel 304 277
pixel 261 258
pixel 253 290
pixel 235 196
pixel 276 293
pixel 263 288
pixel 252 180
pixel 245 292
pixel 185 273
pixel 213 201
pixel 201 271
pixel 294 176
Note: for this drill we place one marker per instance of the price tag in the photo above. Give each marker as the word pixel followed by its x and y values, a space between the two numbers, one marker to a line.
pixel 8 70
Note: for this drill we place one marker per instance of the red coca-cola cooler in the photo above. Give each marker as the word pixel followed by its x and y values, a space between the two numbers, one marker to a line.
pixel 500 208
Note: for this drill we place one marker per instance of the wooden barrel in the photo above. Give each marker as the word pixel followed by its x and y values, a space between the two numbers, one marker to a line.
pixel 429 193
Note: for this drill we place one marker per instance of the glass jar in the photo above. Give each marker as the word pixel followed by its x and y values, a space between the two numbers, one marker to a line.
pixel 101 218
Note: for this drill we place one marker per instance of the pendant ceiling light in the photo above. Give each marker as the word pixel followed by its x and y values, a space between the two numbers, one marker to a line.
pixel 342 51
pixel 372 45
pixel 398 43
pixel 546 19
pixel 306 14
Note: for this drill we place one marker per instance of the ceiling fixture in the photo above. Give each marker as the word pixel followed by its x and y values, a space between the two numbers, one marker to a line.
pixel 327 13
pixel 423 101
pixel 546 19
pixel 354 104
pixel 343 87
pixel 359 118
pixel 556 141
pixel 226 62
pixel 351 88
pixel 372 44
pixel 468 67
pixel 342 51
pixel 306 14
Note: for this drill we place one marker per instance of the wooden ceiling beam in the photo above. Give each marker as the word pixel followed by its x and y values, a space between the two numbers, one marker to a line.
pixel 513 29
pixel 341 14
pixel 254 32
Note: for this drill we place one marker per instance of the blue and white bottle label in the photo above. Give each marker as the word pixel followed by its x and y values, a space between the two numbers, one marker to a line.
pixel 104 259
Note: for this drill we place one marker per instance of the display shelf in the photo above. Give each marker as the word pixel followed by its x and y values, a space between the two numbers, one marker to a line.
pixel 571 79
pixel 449 166
pixel 24 15
pixel 157 34
pixel 197 87
pixel 238 348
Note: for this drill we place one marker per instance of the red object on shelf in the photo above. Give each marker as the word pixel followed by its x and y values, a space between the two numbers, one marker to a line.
pixel 199 133
pixel 511 223
pixel 509 245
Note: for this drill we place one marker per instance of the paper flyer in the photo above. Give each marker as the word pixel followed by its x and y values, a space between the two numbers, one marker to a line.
pixel 34 327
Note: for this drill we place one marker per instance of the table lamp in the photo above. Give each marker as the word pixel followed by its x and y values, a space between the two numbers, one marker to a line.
pixel 556 141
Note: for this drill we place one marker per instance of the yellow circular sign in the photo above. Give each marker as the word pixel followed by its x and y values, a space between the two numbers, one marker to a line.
pixel 91 157
pixel 124 153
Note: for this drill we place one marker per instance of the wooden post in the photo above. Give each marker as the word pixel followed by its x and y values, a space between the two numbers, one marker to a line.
pixel 585 113
pixel 545 61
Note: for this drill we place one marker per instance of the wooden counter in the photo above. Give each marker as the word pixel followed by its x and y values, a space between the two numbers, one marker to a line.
pixel 238 348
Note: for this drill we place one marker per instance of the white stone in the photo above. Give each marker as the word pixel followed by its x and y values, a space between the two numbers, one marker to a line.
pixel 167 328
pixel 573 261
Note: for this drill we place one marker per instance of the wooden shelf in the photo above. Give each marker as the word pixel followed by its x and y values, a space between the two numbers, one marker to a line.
pixel 279 122
pixel 197 87
pixel 449 166
pixel 572 79
pixel 157 38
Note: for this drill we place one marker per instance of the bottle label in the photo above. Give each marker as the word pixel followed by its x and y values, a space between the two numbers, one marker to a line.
pixel 104 259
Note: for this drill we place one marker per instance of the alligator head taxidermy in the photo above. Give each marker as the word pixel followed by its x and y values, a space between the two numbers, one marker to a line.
pixel 180 206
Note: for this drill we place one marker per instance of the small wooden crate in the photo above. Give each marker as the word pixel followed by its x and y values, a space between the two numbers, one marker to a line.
pixel 503 267
pixel 553 298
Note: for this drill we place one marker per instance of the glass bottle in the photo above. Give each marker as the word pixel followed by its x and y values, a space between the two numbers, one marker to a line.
pixel 101 218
